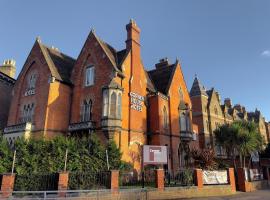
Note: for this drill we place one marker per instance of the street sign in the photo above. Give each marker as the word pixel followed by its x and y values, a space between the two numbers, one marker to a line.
pixel 154 155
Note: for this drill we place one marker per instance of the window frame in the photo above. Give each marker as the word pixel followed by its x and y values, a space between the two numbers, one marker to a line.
pixel 89 76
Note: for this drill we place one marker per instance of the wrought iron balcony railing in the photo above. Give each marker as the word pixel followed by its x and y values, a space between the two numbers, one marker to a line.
pixel 81 126
pixel 22 127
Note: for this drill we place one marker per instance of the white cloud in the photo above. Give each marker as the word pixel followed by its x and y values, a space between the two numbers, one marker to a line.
pixel 266 53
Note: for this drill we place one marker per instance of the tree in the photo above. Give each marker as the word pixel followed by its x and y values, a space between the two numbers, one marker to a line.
pixel 5 156
pixel 47 156
pixel 226 136
pixel 204 158
pixel 250 141
pixel 239 137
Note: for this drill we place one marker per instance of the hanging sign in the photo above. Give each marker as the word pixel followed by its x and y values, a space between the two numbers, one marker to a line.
pixel 136 101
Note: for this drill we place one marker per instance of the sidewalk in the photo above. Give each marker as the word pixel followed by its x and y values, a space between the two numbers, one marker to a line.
pixel 256 195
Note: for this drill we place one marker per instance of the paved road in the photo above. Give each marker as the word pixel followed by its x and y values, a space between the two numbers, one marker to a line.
pixel 257 195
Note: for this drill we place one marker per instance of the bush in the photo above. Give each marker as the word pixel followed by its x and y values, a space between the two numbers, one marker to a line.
pixel 47 156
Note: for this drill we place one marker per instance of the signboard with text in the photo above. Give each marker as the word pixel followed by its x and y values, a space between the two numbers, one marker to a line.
pixel 154 155
pixel 215 177
pixel 136 101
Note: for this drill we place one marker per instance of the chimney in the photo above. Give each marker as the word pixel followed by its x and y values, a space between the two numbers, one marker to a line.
pixel 228 102
pixel 9 68
pixel 164 62
pixel 133 36
pixel 238 107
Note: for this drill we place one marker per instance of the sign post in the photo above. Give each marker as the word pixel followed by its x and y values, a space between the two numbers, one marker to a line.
pixel 155 155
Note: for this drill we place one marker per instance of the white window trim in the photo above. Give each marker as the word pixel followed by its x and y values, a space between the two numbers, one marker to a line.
pixel 89 77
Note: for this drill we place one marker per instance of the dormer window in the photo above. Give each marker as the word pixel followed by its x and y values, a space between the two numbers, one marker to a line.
pixel 89 76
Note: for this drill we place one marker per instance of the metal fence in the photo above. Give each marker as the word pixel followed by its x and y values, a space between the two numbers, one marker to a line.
pixel 134 179
pixel 87 181
pixel 36 182
pixel 179 178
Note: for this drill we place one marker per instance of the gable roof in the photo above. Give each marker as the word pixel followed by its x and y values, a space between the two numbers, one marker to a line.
pixel 162 77
pixel 60 65
pixel 197 88
pixel 116 57
pixel 6 79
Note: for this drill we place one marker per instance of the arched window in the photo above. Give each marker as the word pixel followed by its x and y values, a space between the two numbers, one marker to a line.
pixel 105 103
pixel 113 105
pixel 89 76
pixel 165 117
pixel 32 81
pixel 119 106
pixel 86 110
pixel 181 95
pixel 215 110
pixel 183 122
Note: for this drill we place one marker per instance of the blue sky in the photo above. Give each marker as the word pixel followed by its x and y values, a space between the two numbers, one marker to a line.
pixel 226 43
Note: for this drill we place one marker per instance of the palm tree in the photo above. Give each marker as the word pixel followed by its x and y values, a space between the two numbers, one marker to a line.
pixel 240 136
pixel 227 137
pixel 250 141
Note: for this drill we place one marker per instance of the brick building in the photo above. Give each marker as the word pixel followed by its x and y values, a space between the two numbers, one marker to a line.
pixel 209 113
pixel 7 74
pixel 106 92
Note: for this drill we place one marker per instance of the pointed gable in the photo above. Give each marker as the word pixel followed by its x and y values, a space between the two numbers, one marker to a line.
pixel 213 99
pixel 197 88
pixel 59 64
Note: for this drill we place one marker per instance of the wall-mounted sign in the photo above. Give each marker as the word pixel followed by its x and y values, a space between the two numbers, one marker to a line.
pixel 29 92
pixel 215 177
pixel 154 154
pixel 136 101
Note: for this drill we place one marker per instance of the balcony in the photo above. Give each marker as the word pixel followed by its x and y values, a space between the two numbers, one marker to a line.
pixel 111 124
pixel 186 136
pixel 23 127
pixel 81 126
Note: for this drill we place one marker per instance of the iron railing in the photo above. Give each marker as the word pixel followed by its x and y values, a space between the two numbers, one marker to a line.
pixel 134 179
pixel 36 182
pixel 87 181
pixel 179 178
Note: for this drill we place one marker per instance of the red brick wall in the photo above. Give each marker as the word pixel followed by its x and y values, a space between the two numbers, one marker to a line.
pixel 34 63
pixel 91 54
pixel 7 185
pixel 52 100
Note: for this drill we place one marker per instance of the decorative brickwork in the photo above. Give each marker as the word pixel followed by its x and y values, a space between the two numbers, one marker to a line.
pixel 231 178
pixel 7 185
pixel 198 178
pixel 160 179
pixel 114 179
pixel 62 183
